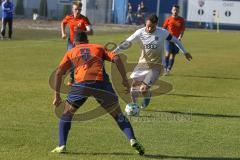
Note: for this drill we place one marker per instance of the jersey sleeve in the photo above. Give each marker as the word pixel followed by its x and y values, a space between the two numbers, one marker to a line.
pixel 65 20
pixel 87 22
pixel 3 8
pixel 134 37
pixel 65 63
pixel 166 35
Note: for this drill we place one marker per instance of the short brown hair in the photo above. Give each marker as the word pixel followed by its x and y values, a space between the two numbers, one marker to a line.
pixel 153 18
pixel 77 3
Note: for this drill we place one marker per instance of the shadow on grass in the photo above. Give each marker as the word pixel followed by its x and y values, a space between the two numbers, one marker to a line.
pixel 197 114
pixel 209 77
pixel 158 156
pixel 101 154
pixel 152 156
pixel 193 96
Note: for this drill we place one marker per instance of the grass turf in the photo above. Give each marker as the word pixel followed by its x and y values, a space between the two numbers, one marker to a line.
pixel 198 120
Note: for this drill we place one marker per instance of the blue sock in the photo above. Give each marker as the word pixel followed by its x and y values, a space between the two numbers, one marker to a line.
pixel 146 99
pixel 166 62
pixel 64 127
pixel 125 126
pixel 171 62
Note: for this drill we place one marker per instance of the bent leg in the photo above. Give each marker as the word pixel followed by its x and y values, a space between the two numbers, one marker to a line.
pixel 171 61
pixel 123 122
pixel 65 123
pixel 3 30
pixel 10 28
pixel 135 90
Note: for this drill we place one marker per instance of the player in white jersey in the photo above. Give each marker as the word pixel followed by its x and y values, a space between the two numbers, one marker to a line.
pixel 151 39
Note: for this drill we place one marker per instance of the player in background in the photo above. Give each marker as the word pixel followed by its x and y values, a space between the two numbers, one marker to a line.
pixel 151 39
pixel 7 18
pixel 91 80
pixel 175 26
pixel 76 22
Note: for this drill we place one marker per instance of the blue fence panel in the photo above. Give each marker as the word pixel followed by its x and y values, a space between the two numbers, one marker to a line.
pixel 120 10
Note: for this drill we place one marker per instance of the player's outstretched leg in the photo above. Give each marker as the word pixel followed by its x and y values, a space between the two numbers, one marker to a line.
pixel 10 28
pixel 135 91
pixel 146 99
pixel 171 62
pixel 145 89
pixel 126 127
pixel 64 128
pixel 3 29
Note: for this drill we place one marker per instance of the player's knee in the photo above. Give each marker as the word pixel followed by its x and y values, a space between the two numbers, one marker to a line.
pixel 69 109
pixel 134 91
pixel 167 55
pixel 172 56
pixel 144 89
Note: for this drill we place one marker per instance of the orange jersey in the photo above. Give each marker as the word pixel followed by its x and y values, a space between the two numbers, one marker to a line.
pixel 175 26
pixel 88 61
pixel 75 24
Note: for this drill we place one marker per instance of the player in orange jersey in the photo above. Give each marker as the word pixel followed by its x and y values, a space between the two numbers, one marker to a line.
pixel 175 26
pixel 75 22
pixel 90 80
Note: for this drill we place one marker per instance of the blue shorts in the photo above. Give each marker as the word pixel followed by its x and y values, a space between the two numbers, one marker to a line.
pixel 102 91
pixel 69 44
pixel 171 48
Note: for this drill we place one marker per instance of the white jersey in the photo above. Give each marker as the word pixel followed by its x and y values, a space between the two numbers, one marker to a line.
pixel 152 44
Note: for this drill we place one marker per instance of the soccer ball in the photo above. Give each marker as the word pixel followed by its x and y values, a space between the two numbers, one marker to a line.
pixel 132 109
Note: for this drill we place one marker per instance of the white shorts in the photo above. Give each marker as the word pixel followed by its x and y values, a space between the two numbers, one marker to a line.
pixel 146 75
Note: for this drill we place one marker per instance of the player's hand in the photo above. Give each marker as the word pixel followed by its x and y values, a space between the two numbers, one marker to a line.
pixel 188 56
pixel 126 84
pixel 64 36
pixel 57 101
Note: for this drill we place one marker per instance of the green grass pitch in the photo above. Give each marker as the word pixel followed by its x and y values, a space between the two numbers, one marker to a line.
pixel 198 120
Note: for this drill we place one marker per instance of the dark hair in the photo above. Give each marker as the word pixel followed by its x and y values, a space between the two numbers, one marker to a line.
pixel 80 37
pixel 176 6
pixel 152 18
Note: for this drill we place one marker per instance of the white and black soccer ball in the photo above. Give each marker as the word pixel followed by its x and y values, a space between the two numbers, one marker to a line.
pixel 132 109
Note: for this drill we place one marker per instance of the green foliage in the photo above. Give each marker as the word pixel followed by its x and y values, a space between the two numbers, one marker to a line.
pixel 43 8
pixel 66 10
pixel 19 8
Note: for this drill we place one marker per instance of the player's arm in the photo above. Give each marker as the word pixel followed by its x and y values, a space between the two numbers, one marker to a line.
pixel 117 60
pixel 180 46
pixel 89 29
pixel 58 82
pixel 11 8
pixel 180 36
pixel 63 28
pixel 5 8
pixel 127 43
pixel 61 70
pixel 182 30
pixel 110 56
